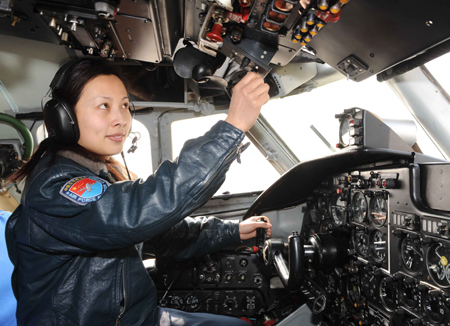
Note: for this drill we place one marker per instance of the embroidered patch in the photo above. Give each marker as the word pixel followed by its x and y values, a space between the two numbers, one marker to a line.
pixel 84 190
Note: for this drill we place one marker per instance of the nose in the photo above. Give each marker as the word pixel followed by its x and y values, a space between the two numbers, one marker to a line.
pixel 120 117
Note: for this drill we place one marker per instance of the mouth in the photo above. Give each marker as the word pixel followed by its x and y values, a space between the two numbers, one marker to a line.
pixel 119 137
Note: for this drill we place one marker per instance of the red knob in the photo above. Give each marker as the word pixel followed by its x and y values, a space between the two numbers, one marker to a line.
pixel 214 35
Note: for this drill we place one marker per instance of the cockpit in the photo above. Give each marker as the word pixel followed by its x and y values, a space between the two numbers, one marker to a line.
pixel 349 158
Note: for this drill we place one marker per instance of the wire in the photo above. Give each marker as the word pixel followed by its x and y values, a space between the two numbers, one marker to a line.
pixel 245 247
pixel 170 285
pixel 126 167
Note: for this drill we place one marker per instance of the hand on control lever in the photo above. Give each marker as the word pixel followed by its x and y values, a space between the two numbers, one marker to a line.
pixel 248 228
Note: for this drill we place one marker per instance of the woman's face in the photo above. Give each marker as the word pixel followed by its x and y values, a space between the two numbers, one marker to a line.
pixel 103 115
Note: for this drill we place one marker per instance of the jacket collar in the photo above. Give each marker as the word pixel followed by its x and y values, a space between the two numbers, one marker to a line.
pixel 95 167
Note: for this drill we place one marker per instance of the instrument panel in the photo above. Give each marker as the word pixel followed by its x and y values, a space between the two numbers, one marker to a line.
pixel 398 270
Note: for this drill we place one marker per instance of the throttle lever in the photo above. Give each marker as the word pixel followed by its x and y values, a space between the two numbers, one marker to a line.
pixel 261 235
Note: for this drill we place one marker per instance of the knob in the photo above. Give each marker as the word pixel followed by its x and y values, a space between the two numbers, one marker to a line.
pixel 359 316
pixel 422 288
pixel 359 304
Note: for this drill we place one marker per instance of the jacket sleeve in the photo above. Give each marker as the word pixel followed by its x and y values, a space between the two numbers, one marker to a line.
pixel 131 212
pixel 197 236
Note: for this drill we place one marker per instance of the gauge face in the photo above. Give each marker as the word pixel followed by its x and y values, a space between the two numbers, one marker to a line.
pixel 378 245
pixel 434 307
pixel 359 207
pixel 412 254
pixel 369 282
pixel 361 243
pixel 438 265
pixel 192 303
pixel 378 211
pixel 389 293
pixel 410 293
pixel 344 128
pixel 337 210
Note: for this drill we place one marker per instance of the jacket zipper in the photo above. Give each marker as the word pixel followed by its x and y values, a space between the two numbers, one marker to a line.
pixel 124 295
pixel 237 151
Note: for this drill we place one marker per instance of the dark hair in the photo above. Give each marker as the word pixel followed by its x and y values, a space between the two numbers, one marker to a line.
pixel 77 78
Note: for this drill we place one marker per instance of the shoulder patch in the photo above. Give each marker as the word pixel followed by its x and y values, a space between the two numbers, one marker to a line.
pixel 84 190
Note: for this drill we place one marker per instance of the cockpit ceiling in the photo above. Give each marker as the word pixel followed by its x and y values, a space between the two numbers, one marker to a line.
pixel 364 38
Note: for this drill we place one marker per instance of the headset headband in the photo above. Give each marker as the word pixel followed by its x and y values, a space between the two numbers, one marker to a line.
pixel 62 73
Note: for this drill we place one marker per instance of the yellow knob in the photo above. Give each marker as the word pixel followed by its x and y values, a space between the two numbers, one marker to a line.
pixel 444 261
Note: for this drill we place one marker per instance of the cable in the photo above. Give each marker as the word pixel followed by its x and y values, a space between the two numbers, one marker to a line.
pixel 126 167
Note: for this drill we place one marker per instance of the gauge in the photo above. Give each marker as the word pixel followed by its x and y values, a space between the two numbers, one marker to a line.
pixel 192 303
pixel 361 243
pixel 337 210
pixel 389 293
pixel 322 204
pixel 369 282
pixel 359 207
pixel 410 293
pixel 378 211
pixel 434 307
pixel 437 264
pixel 353 289
pixel 412 254
pixel 344 134
pixel 176 302
pixel 378 245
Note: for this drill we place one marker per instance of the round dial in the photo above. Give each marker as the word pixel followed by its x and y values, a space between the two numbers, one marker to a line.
pixel 359 207
pixel 389 293
pixel 337 210
pixel 410 293
pixel 412 254
pixel 361 243
pixel 369 282
pixel 192 303
pixel 176 302
pixel 437 265
pixel 378 211
pixel 230 304
pixel 378 245
pixel 434 307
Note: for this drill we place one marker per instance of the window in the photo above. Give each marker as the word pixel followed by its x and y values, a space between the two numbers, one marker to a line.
pixel 299 118
pixel 253 174
pixel 441 75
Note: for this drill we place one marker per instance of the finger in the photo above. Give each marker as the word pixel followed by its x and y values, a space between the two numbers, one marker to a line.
pixel 262 89
pixel 247 236
pixel 247 78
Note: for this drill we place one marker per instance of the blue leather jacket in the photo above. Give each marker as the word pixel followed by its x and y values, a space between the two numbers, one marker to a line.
pixel 75 259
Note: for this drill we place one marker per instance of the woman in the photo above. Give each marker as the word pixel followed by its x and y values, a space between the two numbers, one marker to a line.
pixel 72 239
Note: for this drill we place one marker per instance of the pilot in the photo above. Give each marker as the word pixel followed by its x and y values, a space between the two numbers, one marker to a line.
pixel 73 238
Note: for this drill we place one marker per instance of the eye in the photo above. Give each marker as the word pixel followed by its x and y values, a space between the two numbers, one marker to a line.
pixel 103 106
pixel 125 105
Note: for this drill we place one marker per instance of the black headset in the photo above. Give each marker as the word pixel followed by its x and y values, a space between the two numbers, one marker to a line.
pixel 59 116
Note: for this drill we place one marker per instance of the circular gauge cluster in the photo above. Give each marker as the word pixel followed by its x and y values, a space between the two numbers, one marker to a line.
pixel 438 265
pixel 412 255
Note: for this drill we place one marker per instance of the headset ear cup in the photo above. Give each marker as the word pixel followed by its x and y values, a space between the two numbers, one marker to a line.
pixel 61 122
